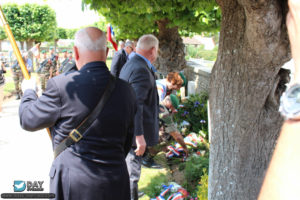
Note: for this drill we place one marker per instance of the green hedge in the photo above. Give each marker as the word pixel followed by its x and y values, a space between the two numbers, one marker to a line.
pixel 200 52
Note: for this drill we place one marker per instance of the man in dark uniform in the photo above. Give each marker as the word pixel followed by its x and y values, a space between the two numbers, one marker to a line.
pixel 93 168
pixel 138 72
pixel 120 58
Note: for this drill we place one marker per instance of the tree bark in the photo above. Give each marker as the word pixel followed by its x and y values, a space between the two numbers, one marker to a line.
pixel 29 45
pixel 246 85
pixel 171 55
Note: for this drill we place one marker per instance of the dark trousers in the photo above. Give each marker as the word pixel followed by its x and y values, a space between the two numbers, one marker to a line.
pixel 134 163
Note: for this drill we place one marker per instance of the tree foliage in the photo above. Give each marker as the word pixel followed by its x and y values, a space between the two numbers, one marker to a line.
pixel 31 21
pixel 61 33
pixel 71 33
pixel 2 34
pixel 133 18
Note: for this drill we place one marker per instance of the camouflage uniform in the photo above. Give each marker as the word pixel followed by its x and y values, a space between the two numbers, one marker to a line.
pixel 63 64
pixel 45 72
pixel 53 65
pixel 167 119
pixel 17 77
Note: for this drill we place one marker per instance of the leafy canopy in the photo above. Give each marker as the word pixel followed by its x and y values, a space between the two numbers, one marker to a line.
pixel 31 21
pixel 132 18
pixel 2 34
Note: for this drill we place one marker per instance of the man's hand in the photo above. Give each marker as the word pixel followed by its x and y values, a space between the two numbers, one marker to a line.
pixel 29 84
pixel 186 151
pixel 140 145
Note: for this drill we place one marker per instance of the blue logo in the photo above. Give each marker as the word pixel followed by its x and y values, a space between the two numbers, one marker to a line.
pixel 19 186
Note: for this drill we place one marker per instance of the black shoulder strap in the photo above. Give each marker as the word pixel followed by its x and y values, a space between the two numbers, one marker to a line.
pixel 76 134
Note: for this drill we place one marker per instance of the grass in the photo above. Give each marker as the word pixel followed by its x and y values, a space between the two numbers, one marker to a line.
pixel 108 62
pixel 9 86
pixel 152 179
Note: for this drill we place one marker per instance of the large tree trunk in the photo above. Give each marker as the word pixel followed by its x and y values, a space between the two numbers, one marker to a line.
pixel 29 44
pixel 246 84
pixel 171 56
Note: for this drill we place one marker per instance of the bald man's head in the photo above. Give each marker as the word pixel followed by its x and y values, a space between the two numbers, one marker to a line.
pixel 91 39
pixel 89 46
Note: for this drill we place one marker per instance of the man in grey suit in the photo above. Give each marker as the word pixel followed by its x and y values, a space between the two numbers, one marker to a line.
pixel 94 167
pixel 138 71
pixel 120 58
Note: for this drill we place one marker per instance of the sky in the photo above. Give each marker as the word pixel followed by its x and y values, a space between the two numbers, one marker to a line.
pixel 68 12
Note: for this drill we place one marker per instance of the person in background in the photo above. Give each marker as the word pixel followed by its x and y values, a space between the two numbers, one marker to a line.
pixel 17 77
pixel 167 128
pixel 121 44
pixel 138 72
pixel 133 52
pixel 2 82
pixel 54 62
pixel 28 63
pixel 282 178
pixel 120 58
pixel 173 81
pixel 63 61
pixel 44 70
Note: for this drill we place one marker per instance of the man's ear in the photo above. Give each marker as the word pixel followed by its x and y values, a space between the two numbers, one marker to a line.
pixel 76 53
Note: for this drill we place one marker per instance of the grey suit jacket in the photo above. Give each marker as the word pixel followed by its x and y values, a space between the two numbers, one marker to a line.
pixel 142 80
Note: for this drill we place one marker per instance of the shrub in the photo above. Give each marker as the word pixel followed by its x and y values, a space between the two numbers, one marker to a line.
pixel 200 52
pixel 194 111
pixel 202 192
pixel 193 170
pixel 154 188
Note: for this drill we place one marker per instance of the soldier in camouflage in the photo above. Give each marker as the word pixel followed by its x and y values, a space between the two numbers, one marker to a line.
pixel 64 60
pixel 54 59
pixel 44 70
pixel 167 129
pixel 17 77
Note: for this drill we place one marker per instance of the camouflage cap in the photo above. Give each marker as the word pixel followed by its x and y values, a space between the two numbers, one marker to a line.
pixel 70 51
pixel 64 50
pixel 43 51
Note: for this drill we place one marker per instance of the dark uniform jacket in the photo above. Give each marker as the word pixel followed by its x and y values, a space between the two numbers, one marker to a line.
pixel 93 168
pixel 117 62
pixel 141 78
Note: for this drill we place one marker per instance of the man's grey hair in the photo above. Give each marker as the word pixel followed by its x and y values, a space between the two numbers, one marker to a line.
pixel 84 41
pixel 146 42
pixel 129 43
pixel 121 43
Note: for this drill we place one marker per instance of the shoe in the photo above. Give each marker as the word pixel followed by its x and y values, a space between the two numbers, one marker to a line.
pixel 140 194
pixel 150 163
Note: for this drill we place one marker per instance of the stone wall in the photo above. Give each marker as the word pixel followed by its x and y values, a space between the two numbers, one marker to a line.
pixel 198 75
